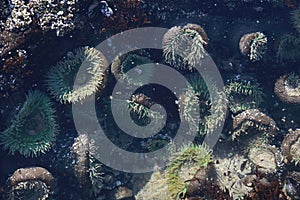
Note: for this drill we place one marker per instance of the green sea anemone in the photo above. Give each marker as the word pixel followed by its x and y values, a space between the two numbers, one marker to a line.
pixel 123 63
pixel 289 48
pixel 30 183
pixel 296 19
pixel 203 111
pixel 33 129
pixel 253 45
pixel 183 47
pixel 183 166
pixel 287 88
pixel 243 95
pixel 91 66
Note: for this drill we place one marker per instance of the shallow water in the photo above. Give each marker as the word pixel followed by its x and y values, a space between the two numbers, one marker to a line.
pixel 94 168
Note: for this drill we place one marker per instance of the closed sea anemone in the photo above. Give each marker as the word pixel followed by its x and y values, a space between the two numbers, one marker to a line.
pixel 287 88
pixel 251 121
pixel 183 47
pixel 30 183
pixel 253 45
pixel 91 66
pixel 34 128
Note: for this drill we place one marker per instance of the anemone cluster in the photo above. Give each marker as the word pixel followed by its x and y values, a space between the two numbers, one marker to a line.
pixel 90 66
pixel 183 47
pixel 33 129
pixel 253 45
pixel 251 162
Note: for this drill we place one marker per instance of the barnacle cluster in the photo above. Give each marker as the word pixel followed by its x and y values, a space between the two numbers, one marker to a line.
pixel 50 15
pixel 34 128
pixel 57 16
pixel 243 94
pixel 9 41
pixel 30 183
pixel 21 16
pixel 202 110
pixel 287 88
pixel 92 75
pixel 291 146
pixel 253 45
pixel 245 122
pixel 87 169
pixel 289 48
pixel 4 12
pixel 183 47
